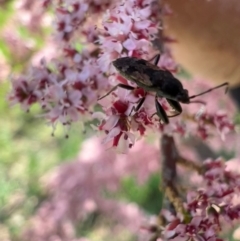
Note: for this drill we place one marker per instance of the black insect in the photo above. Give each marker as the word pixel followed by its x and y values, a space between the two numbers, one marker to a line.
pixel 151 78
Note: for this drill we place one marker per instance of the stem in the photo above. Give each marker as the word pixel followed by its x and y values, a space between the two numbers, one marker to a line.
pixel 170 158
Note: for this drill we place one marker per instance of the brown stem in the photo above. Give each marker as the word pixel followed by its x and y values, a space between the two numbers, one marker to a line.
pixel 169 160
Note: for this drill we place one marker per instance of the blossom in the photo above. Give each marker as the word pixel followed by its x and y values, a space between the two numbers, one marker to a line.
pixel 208 208
pixel 67 88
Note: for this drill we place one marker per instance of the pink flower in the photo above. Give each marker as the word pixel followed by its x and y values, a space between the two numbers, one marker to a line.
pixel 68 87
pixel 117 127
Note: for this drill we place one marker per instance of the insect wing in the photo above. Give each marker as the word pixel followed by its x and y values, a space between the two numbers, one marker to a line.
pixel 141 72
pixel 140 78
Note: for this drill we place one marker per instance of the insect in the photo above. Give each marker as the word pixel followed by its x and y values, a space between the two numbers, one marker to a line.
pixel 151 78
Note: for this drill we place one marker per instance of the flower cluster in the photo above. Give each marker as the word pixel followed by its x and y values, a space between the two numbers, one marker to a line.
pixel 72 14
pixel 129 33
pixel 67 88
pixel 209 208
pixel 64 91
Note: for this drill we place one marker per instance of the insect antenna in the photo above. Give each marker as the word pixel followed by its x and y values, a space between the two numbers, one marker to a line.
pixel 209 90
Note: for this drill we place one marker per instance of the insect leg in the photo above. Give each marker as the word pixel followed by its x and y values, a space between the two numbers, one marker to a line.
pixel 127 87
pixel 139 105
pixel 176 106
pixel 157 57
pixel 161 112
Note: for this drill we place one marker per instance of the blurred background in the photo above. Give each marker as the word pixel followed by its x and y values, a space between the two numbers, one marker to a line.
pixel 28 151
